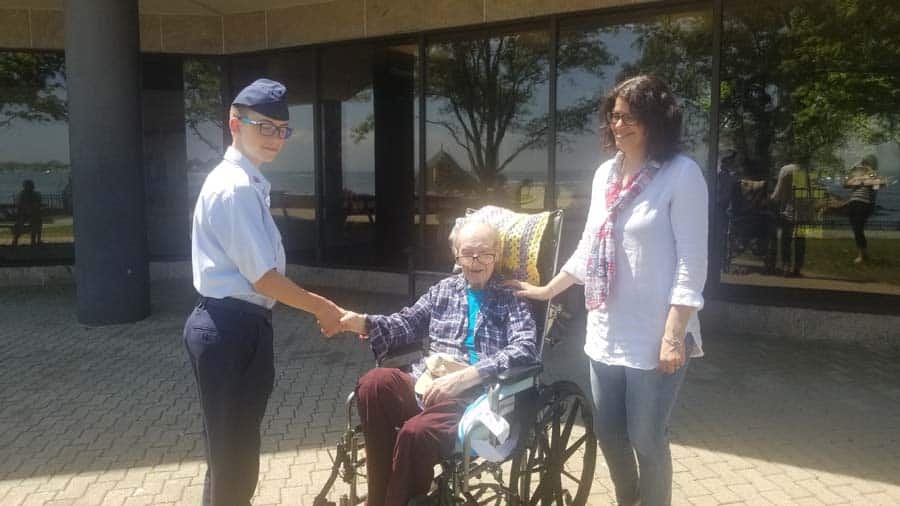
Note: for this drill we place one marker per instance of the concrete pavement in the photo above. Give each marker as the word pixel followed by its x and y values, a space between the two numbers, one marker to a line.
pixel 109 416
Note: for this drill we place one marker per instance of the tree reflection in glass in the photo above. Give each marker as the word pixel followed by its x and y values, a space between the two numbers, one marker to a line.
pixel 35 183
pixel 809 91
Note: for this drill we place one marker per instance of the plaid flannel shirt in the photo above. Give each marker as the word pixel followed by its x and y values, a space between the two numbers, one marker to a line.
pixel 505 333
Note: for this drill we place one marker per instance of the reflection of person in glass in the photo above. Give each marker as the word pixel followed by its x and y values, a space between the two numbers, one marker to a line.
pixel 727 186
pixel 863 181
pixel 786 214
pixel 28 213
pixel 642 258
pixel 523 193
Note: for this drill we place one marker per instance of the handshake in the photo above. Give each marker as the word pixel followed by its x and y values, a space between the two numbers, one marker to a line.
pixel 333 319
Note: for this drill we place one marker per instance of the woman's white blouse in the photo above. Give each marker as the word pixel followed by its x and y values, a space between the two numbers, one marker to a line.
pixel 661 257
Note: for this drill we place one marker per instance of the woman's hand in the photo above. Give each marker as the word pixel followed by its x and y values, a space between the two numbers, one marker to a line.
pixel 672 354
pixel 529 291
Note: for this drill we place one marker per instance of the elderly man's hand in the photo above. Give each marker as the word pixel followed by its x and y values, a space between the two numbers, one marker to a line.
pixel 354 322
pixel 451 386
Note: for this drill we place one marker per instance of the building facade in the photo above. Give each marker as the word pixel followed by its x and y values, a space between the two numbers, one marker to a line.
pixel 406 112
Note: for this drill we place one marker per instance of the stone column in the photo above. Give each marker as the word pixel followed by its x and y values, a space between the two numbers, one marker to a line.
pixel 104 88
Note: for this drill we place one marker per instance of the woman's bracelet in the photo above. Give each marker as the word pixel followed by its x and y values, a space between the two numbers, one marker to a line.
pixel 674 341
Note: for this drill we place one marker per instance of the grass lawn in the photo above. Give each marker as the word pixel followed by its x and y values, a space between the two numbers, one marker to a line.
pixel 834 257
pixel 52 232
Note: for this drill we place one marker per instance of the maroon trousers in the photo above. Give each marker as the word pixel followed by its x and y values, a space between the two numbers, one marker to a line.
pixel 403 442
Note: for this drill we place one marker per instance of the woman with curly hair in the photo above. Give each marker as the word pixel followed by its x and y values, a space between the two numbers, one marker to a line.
pixel 642 259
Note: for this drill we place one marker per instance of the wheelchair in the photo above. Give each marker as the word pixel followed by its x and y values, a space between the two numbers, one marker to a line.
pixel 750 226
pixel 553 453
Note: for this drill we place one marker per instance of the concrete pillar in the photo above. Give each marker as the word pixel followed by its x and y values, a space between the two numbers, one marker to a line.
pixel 104 87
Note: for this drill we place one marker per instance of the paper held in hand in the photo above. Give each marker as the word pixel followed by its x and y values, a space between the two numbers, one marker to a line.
pixel 437 365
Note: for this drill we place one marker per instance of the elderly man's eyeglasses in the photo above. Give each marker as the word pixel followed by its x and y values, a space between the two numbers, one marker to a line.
pixel 626 119
pixel 482 258
pixel 268 129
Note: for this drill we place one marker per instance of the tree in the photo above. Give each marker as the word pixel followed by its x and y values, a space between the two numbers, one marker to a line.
pixel 485 89
pixel 32 87
pixel 800 80
pixel 203 99
pixel 842 62
pixel 678 49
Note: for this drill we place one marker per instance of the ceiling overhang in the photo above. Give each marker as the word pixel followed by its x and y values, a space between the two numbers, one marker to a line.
pixel 178 7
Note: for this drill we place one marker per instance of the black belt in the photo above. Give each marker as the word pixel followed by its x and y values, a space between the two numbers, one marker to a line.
pixel 232 304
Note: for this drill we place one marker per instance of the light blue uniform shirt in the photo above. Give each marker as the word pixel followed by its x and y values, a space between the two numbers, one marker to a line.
pixel 234 240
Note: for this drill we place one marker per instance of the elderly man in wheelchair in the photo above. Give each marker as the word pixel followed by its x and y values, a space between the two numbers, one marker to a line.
pixel 478 337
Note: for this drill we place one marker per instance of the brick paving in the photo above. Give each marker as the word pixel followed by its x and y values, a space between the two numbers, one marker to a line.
pixel 109 415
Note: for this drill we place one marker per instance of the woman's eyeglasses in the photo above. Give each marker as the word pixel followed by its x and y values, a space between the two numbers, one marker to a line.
pixel 482 258
pixel 268 129
pixel 626 119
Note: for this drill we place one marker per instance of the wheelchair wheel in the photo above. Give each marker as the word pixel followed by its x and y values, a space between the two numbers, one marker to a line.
pixel 555 464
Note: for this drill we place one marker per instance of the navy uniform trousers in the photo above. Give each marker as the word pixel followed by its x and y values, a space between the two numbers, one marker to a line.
pixel 229 342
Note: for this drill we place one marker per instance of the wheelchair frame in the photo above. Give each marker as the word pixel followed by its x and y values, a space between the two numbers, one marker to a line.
pixel 545 416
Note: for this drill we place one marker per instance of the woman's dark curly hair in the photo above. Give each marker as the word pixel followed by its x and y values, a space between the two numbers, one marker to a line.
pixel 654 106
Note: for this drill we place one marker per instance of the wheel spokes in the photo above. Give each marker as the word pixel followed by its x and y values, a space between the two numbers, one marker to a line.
pixel 570 421
pixel 548 472
pixel 571 477
pixel 571 451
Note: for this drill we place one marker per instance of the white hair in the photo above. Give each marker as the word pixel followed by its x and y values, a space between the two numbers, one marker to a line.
pixel 462 223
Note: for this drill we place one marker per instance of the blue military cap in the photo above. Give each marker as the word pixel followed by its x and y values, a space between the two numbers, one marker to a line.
pixel 266 97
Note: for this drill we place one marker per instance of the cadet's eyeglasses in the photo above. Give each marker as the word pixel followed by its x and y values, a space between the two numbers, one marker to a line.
pixel 626 119
pixel 482 258
pixel 268 129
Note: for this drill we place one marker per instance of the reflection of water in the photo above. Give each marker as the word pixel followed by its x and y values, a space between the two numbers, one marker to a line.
pixel 54 181
pixel 300 183
pixel 887 199
pixel 362 182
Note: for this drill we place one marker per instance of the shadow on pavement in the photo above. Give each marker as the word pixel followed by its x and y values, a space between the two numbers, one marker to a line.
pixel 75 399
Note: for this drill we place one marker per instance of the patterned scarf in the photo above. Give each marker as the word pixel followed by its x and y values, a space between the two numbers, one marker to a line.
pixel 601 266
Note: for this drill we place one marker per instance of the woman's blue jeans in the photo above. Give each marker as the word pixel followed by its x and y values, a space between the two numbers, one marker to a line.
pixel 631 418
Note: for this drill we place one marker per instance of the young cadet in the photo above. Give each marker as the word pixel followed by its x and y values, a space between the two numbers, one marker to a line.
pixel 238 269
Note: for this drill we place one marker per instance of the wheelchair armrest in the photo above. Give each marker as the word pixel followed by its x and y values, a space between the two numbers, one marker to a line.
pixel 402 356
pixel 518 373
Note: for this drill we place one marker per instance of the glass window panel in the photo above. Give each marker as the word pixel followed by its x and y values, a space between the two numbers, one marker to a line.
pixel 292 173
pixel 486 114
pixel 35 177
pixel 182 118
pixel 163 157
pixel 204 121
pixel 369 134
pixel 808 194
